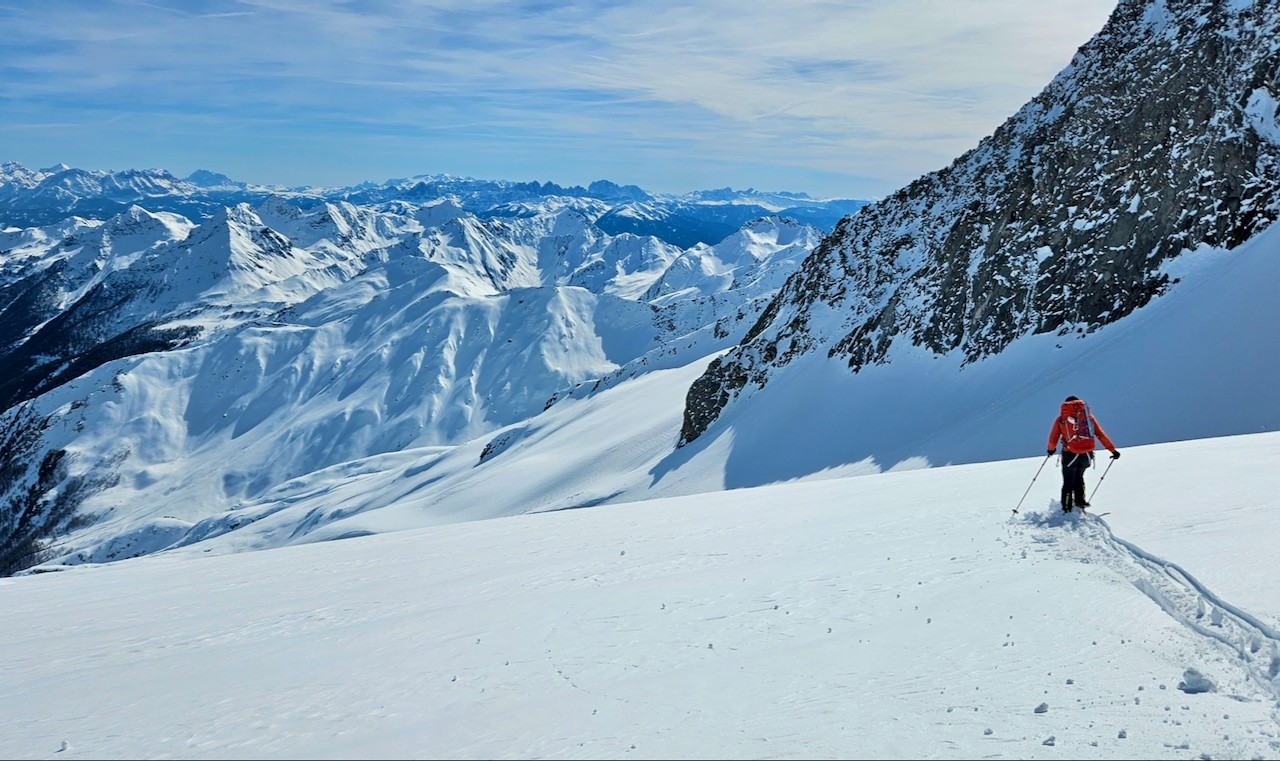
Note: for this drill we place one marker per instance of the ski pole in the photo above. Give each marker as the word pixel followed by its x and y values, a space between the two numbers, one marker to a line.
pixel 1033 480
pixel 1104 475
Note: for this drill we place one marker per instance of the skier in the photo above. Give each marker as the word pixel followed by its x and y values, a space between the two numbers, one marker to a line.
pixel 1077 427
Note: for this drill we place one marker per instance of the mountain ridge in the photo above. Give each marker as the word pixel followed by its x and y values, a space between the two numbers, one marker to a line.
pixel 1150 143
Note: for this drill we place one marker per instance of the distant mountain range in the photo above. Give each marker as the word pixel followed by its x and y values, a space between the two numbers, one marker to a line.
pixel 45 196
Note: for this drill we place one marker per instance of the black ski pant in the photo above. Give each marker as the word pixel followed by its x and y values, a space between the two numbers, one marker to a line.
pixel 1073 468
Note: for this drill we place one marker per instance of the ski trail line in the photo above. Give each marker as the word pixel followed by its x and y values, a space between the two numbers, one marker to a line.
pixel 1254 643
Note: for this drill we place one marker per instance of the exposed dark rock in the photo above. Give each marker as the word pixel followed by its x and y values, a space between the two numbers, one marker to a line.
pixel 38 496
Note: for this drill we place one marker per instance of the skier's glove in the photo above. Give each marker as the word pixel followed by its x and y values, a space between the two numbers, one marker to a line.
pixel 1115 454
pixel 1049 453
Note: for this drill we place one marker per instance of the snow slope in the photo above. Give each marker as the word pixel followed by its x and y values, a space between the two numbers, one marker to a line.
pixel 899 615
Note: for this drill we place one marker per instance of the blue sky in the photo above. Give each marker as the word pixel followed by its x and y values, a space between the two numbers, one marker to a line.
pixel 835 98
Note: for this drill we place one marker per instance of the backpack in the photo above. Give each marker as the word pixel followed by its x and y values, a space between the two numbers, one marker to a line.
pixel 1077 426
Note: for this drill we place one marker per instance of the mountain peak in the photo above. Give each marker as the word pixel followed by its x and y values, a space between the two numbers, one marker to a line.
pixel 208 179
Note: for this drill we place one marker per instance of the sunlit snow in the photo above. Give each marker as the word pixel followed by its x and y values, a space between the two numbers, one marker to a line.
pixel 902 615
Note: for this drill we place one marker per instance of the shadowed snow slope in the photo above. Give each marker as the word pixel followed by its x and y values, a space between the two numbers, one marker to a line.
pixel 900 615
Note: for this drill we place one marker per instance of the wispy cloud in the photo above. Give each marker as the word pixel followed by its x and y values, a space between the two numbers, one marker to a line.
pixel 859 97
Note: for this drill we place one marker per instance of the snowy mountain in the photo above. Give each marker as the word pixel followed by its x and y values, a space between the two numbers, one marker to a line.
pixel 1162 137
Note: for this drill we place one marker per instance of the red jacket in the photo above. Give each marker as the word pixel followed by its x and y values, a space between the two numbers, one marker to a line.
pixel 1060 430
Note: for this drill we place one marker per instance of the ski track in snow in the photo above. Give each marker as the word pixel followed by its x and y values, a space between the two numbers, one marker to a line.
pixel 1245 640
